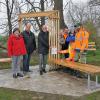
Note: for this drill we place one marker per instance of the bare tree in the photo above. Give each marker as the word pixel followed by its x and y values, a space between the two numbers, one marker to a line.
pixel 9 7
pixel 82 12
pixel 34 9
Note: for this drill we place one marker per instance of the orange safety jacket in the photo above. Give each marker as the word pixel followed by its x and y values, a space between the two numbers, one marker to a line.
pixel 85 41
pixel 81 40
pixel 65 35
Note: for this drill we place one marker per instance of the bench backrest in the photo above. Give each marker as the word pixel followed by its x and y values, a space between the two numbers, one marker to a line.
pixel 91 46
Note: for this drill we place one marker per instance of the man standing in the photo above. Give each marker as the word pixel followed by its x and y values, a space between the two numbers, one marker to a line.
pixel 43 48
pixel 30 43
pixel 66 44
pixel 81 41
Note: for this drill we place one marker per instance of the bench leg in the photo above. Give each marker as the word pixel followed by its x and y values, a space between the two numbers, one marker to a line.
pixel 96 80
pixel 89 81
pixel 85 60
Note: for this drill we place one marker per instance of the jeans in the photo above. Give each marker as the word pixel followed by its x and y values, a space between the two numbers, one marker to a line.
pixel 26 62
pixel 16 61
pixel 42 61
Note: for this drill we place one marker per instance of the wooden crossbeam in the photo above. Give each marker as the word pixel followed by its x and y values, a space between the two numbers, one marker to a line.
pixel 37 14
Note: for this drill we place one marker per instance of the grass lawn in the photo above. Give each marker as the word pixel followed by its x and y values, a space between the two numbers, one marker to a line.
pixel 93 57
pixel 10 94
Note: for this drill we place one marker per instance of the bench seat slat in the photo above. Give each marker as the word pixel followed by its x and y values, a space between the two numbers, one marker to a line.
pixel 91 69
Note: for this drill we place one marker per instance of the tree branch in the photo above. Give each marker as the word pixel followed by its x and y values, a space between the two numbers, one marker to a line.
pixel 3 3
pixel 35 11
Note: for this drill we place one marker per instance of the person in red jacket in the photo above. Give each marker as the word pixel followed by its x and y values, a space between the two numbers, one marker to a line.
pixel 16 49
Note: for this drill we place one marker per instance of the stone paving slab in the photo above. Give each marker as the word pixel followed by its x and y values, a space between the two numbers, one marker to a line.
pixel 51 82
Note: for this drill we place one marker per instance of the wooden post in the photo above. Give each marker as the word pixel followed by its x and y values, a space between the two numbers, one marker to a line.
pixel 58 32
pixel 20 23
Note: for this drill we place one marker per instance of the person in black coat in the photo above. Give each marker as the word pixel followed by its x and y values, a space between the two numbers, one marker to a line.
pixel 30 43
pixel 43 48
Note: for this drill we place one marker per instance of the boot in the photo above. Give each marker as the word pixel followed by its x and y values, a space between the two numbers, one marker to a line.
pixel 14 76
pixel 41 72
pixel 44 70
pixel 19 74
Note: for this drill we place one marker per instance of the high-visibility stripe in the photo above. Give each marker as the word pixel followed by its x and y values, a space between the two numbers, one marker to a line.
pixel 79 38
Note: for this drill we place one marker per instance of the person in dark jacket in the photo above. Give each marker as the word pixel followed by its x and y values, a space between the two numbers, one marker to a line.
pixel 66 44
pixel 43 48
pixel 30 43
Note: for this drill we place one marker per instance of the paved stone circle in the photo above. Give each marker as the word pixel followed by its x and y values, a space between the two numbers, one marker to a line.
pixel 51 82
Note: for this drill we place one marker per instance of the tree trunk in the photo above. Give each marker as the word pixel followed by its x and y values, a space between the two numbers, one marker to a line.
pixel 58 5
pixel 42 9
pixel 9 17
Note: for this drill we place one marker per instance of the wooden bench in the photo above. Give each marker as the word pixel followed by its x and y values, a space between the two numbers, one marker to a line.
pixel 86 68
pixel 3 60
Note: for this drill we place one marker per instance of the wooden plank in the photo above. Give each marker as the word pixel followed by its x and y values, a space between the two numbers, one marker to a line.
pixel 93 43
pixel 3 60
pixel 91 49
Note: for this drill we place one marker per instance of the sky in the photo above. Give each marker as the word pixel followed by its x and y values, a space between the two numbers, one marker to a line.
pixel 77 1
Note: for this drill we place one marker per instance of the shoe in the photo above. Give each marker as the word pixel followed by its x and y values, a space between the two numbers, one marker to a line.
pixel 25 73
pixel 30 71
pixel 44 71
pixel 41 72
pixel 15 76
pixel 19 74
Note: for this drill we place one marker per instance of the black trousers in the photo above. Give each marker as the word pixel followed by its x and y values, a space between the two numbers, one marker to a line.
pixel 65 47
pixel 26 62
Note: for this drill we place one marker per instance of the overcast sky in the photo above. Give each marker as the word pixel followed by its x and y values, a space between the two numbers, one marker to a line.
pixel 78 1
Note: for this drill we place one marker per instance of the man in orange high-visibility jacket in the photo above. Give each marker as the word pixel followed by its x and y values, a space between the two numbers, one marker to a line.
pixel 81 41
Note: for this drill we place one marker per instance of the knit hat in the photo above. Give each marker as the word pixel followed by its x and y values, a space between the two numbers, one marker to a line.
pixel 16 29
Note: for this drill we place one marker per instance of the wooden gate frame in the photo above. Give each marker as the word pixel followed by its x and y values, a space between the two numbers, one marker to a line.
pixel 53 26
